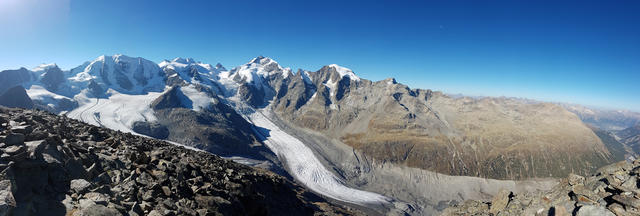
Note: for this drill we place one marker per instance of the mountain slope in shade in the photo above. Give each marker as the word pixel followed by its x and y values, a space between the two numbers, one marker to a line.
pixel 16 97
pixel 12 78
pixel 631 137
pixel 619 150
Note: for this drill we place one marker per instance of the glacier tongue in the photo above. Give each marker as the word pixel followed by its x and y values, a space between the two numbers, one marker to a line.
pixel 305 167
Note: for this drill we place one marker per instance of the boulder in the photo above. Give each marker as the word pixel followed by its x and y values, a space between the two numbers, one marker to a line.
pixel 79 185
pixel 14 139
pixel 96 210
pixel 499 201
pixel 35 147
pixel 7 201
pixel 590 210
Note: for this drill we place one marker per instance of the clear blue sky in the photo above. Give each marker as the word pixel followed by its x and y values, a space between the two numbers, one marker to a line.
pixel 582 52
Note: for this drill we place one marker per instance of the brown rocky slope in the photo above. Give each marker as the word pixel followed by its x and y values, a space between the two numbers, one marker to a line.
pixel 54 165
pixel 499 138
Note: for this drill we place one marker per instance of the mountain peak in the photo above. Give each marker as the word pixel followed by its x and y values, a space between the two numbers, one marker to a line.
pixel 261 60
pixel 343 71
pixel 219 67
pixel 44 67
pixel 184 60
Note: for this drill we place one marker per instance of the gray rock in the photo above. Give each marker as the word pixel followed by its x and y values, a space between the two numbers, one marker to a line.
pixel 155 213
pixel 35 147
pixel 627 200
pixel 590 210
pixel 500 201
pixel 79 185
pixel 14 150
pixel 575 179
pixel 22 129
pixel 7 201
pixel 68 203
pixel 97 198
pixel 97 210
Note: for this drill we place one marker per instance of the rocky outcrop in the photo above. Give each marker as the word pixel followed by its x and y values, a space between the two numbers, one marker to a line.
pixel 613 190
pixel 16 97
pixel 58 166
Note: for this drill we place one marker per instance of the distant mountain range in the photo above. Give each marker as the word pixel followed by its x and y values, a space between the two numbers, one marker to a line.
pixel 606 119
pixel 340 135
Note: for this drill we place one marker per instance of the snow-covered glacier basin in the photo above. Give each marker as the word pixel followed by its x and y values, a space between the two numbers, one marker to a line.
pixel 305 167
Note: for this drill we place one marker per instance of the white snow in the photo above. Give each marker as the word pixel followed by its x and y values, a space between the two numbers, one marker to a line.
pixel 129 67
pixel 117 112
pixel 199 100
pixel 206 73
pixel 343 71
pixel 305 167
pixel 258 69
pixel 38 93
pixel 42 68
pixel 332 86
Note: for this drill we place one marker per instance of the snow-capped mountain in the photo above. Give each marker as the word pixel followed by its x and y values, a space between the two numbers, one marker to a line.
pixel 342 136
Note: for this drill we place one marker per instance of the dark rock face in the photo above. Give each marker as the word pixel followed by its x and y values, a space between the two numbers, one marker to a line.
pixel 613 190
pixel 52 78
pixel 171 99
pixel 152 129
pixel 217 128
pixel 96 89
pixel 16 97
pixel 61 166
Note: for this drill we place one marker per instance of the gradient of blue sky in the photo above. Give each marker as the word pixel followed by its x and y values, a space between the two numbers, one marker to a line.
pixel 579 51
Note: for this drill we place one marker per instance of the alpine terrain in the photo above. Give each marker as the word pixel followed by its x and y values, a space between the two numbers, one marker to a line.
pixel 378 147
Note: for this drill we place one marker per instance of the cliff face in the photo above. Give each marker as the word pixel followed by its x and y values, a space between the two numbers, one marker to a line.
pixel 54 165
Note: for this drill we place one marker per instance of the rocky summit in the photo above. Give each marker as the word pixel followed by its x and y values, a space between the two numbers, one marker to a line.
pixel 54 165
pixel 612 190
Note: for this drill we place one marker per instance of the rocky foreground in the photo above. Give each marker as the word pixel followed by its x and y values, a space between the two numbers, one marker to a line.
pixel 53 165
pixel 613 190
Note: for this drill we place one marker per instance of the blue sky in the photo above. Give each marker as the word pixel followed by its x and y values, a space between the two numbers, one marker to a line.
pixel 579 51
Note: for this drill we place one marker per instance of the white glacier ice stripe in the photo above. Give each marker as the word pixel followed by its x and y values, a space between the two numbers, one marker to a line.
pixel 306 168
